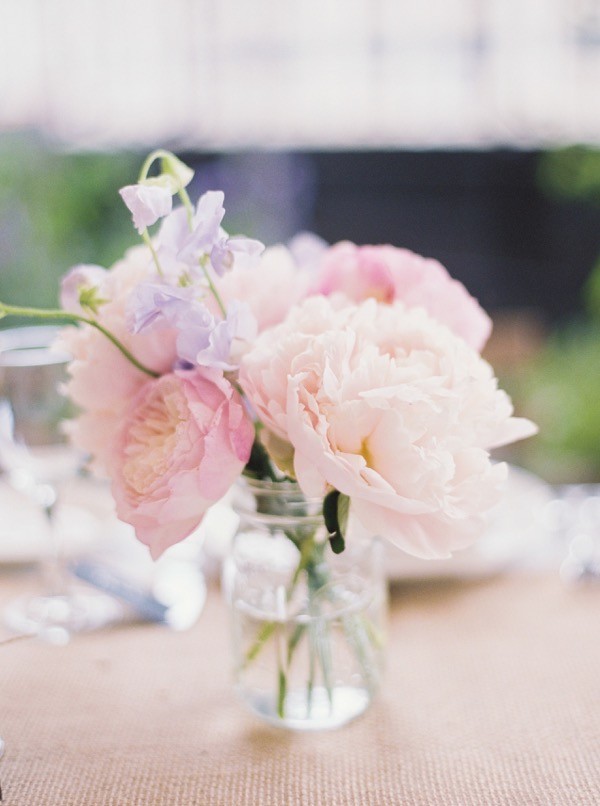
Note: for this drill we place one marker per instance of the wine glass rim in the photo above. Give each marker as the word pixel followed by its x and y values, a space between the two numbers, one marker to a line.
pixel 31 345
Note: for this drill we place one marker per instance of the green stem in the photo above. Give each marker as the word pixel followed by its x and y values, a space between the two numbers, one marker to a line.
pixel 269 627
pixel 360 638
pixel 258 465
pixel 185 199
pixel 154 155
pixel 319 633
pixel 281 693
pixel 263 636
pixel 148 241
pixel 160 153
pixel 323 646
pixel 187 203
pixel 310 686
pixel 74 318
pixel 183 195
pixel 212 287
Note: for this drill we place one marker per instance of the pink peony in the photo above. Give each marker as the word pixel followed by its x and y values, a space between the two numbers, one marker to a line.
pixel 388 273
pixel 102 380
pixel 270 287
pixel 184 439
pixel 388 406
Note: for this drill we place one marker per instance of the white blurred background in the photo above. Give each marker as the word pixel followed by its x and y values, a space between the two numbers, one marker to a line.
pixel 228 74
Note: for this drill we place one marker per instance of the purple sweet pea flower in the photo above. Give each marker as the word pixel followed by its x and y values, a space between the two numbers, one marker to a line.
pixel 241 321
pixel 195 327
pixel 147 203
pixel 237 250
pixel 202 340
pixel 178 246
pixel 216 353
pixel 205 341
pixel 239 324
pixel 205 228
pixel 173 231
pixel 158 304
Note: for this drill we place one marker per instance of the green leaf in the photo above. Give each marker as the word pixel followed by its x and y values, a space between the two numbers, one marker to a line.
pixel 335 515
pixel 258 464
pixel 330 511
pixel 337 543
pixel 343 510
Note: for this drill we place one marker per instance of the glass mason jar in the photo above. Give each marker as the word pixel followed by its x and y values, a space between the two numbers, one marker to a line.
pixel 308 625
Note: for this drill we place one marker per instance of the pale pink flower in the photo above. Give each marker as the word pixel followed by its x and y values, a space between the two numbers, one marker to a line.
pixel 270 287
pixel 307 249
pixel 83 280
pixel 388 406
pixel 184 439
pixel 102 381
pixel 388 273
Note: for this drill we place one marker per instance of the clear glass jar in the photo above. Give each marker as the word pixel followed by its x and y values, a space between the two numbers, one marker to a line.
pixel 308 625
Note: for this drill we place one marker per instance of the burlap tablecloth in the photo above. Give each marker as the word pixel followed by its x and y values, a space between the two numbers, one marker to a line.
pixel 492 697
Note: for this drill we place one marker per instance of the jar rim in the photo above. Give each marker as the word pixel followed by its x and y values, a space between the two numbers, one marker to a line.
pixel 269 487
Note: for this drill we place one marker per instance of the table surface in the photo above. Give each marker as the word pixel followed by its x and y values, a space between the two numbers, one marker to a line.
pixel 492 696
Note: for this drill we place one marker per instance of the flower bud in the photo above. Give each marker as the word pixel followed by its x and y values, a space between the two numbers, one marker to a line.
pixel 177 171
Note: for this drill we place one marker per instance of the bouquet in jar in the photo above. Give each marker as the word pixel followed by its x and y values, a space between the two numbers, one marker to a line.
pixel 348 376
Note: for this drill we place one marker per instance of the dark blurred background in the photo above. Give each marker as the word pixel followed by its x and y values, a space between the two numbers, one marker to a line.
pixel 511 225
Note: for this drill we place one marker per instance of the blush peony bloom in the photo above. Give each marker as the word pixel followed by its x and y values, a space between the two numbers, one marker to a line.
pixel 270 286
pixel 183 441
pixel 388 406
pixel 388 273
pixel 102 381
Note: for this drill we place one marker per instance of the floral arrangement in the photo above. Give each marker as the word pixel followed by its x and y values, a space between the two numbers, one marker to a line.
pixel 354 370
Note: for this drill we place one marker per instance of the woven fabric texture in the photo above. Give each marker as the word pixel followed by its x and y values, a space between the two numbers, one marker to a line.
pixel 492 696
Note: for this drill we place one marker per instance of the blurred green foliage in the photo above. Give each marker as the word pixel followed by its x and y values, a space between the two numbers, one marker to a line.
pixel 574 173
pixel 58 209
pixel 562 390
pixel 571 173
pixel 562 395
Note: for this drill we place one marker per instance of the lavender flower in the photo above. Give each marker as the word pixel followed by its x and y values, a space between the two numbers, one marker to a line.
pixel 156 304
pixel 177 245
pixel 206 225
pixel 237 250
pixel 210 344
pixel 147 203
pixel 202 339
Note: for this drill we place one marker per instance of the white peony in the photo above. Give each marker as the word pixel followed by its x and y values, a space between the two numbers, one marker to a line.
pixel 388 406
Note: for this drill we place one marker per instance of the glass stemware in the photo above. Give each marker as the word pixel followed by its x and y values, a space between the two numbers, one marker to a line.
pixel 38 460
